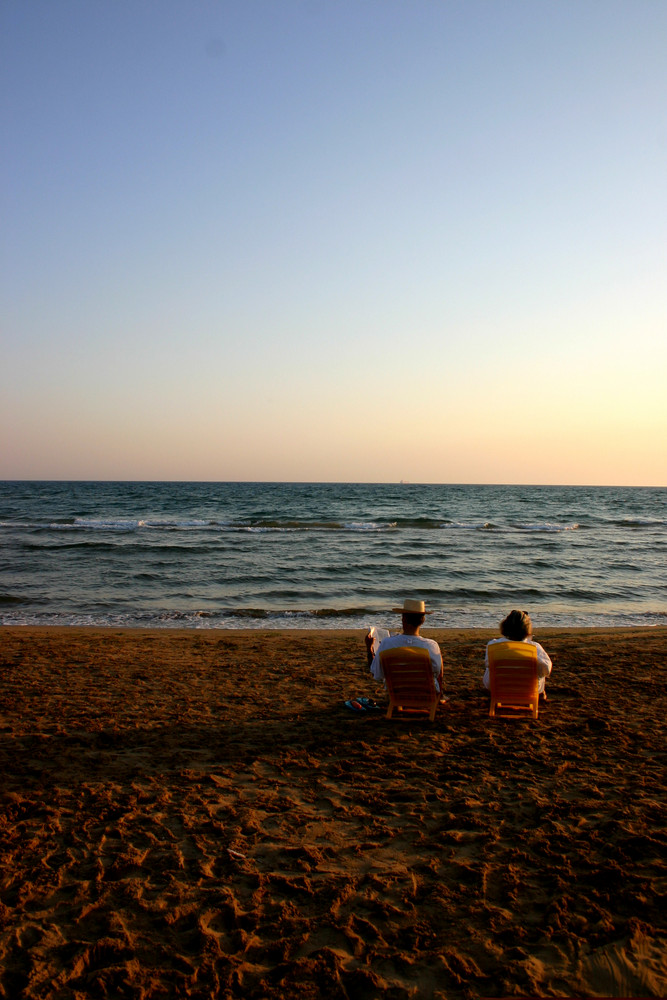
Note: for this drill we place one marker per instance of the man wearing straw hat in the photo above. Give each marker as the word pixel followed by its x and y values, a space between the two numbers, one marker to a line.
pixel 412 615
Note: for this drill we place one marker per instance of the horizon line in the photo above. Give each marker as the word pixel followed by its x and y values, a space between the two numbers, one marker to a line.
pixel 341 482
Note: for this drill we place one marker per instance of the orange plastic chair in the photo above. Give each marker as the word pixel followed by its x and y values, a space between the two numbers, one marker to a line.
pixel 513 676
pixel 409 678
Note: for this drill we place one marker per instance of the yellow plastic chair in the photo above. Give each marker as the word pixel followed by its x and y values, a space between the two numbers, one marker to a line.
pixel 409 678
pixel 513 676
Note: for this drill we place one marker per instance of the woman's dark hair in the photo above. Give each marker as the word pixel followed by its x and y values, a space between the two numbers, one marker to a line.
pixel 516 626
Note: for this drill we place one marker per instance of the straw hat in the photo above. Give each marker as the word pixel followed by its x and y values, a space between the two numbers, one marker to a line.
pixel 412 607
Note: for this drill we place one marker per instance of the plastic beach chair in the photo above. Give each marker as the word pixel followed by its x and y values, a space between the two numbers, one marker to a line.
pixel 409 678
pixel 513 676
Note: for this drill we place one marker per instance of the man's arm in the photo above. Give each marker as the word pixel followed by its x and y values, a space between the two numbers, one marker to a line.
pixel 369 649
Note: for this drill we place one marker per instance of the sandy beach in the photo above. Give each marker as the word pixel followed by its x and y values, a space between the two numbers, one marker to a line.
pixel 196 814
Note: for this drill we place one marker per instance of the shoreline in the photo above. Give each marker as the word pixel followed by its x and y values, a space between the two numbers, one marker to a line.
pixel 612 630
pixel 194 812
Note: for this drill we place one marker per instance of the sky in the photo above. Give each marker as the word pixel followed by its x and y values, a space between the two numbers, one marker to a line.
pixel 334 240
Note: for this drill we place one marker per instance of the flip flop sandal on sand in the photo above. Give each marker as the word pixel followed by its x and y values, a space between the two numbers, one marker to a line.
pixel 355 705
pixel 368 703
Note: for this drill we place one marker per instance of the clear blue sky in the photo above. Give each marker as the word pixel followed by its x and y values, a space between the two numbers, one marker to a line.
pixel 332 240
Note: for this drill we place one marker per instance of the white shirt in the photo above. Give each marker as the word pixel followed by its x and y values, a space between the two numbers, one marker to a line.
pixel 543 660
pixel 396 641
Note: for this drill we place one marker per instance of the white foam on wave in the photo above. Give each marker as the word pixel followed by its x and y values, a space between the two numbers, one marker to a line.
pixel 258 529
pixel 368 526
pixel 128 524
pixel 454 617
pixel 349 526
pixel 176 525
pixel 547 527
pixel 470 525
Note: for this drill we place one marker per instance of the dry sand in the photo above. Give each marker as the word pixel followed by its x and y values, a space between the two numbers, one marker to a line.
pixel 196 814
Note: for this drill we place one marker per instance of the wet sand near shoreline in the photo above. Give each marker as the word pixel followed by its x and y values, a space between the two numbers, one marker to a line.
pixel 196 814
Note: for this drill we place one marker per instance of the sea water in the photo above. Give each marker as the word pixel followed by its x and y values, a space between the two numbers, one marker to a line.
pixel 328 555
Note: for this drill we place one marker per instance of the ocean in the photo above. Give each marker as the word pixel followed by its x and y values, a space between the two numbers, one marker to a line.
pixel 328 555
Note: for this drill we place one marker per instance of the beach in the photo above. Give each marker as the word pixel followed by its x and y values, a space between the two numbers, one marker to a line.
pixel 195 813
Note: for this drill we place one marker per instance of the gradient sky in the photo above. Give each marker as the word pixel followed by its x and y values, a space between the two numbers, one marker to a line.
pixel 357 240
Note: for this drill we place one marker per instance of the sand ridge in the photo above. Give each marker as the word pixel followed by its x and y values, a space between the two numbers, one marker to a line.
pixel 196 814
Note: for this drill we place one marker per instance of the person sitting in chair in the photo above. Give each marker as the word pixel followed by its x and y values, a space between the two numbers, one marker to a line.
pixel 517 627
pixel 412 614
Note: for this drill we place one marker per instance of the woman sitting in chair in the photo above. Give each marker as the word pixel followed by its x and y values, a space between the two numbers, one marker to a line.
pixel 517 627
